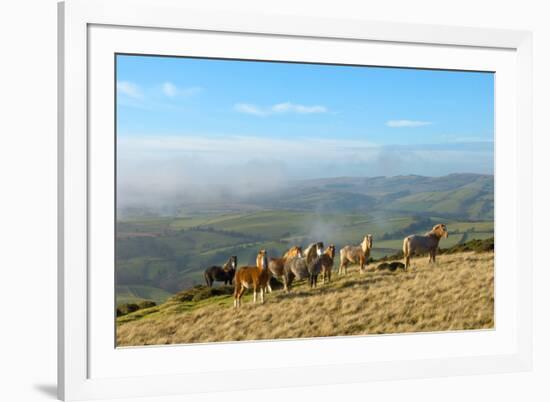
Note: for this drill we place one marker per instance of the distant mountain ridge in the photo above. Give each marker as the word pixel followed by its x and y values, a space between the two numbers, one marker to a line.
pixel 466 196
pixel 463 196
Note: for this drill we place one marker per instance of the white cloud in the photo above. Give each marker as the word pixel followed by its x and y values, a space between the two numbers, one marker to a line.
pixel 295 108
pixel 407 123
pixel 279 108
pixel 464 138
pixel 249 109
pixel 246 146
pixel 129 89
pixel 171 90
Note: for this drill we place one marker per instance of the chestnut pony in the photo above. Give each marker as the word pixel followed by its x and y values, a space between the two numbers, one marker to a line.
pixel 255 278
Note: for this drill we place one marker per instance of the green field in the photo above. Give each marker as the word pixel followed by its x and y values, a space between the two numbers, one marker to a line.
pixel 174 253
pixel 169 253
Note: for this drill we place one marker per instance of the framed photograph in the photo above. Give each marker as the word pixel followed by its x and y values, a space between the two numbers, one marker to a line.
pixel 255 201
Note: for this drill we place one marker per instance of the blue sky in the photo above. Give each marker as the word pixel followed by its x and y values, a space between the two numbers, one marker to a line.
pixel 224 115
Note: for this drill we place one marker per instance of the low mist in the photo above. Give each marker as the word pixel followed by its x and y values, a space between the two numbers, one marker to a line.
pixel 164 173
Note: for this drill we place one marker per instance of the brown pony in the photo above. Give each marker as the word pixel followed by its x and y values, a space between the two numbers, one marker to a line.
pixel 327 262
pixel 277 265
pixel 256 278
pixel 355 254
pixel 427 243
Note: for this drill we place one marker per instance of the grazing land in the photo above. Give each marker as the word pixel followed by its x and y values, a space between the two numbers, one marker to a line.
pixel 457 293
pixel 160 255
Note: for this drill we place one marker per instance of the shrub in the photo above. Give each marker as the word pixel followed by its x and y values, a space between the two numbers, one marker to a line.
pixel 146 304
pixel 476 245
pixel 126 308
pixel 201 292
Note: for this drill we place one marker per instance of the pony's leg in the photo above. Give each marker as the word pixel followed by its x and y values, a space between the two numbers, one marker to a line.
pixel 262 295
pixel 236 296
pixel 289 282
pixel 269 287
pixel 254 295
pixel 241 295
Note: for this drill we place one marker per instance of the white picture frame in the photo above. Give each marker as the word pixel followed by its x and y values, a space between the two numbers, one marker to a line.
pixel 89 365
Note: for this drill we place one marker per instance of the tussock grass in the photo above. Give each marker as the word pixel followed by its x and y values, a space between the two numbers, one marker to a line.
pixel 457 293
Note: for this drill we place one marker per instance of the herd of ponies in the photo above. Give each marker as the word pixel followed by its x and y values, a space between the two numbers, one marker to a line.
pixel 313 261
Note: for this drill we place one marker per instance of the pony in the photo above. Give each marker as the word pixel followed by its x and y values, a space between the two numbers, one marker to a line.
pixel 225 274
pixel 301 267
pixel 327 262
pixel 322 264
pixel 252 277
pixel 276 266
pixel 429 243
pixel 355 254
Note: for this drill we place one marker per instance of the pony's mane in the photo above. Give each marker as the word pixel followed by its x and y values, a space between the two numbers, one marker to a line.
pixel 434 231
pixel 309 250
pixel 285 255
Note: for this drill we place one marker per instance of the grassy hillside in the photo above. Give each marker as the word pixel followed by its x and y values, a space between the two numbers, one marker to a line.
pixel 137 293
pixel 455 294
pixel 170 253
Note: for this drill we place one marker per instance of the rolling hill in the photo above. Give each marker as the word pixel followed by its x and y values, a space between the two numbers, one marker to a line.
pixel 169 253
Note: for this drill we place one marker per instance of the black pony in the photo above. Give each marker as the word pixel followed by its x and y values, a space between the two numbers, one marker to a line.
pixel 225 274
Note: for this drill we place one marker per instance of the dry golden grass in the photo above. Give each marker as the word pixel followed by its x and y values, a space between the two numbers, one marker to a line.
pixel 455 294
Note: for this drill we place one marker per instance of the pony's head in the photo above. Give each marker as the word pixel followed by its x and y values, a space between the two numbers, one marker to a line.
pixel 367 242
pixel 319 247
pixel 440 230
pixel 261 259
pixel 330 251
pixel 231 264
